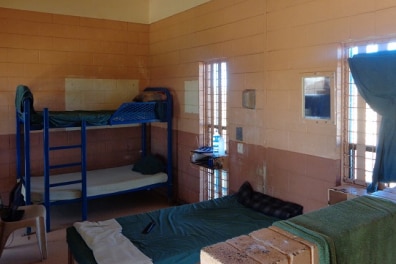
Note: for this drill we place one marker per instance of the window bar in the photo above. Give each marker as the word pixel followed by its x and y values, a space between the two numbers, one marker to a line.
pixel 360 124
pixel 214 94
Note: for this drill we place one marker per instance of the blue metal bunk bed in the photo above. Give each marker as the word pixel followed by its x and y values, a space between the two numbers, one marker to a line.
pixel 27 120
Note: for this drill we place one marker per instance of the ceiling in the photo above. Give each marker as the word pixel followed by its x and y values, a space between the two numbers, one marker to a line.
pixel 138 11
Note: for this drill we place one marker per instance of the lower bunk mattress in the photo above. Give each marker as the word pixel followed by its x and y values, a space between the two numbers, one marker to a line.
pixel 180 231
pixel 99 182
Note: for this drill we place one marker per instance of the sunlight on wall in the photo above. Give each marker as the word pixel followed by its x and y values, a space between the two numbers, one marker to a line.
pixel 191 95
pixel 98 94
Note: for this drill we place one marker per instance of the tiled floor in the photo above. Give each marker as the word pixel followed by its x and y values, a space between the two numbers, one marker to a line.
pixel 22 249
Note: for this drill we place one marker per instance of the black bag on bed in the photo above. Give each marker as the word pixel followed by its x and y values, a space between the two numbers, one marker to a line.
pixel 11 213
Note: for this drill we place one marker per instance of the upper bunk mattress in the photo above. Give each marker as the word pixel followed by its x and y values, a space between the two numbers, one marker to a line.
pixel 99 182
pixel 127 113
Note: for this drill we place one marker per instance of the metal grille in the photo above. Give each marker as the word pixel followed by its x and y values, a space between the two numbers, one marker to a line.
pixel 214 117
pixel 215 75
pixel 217 183
pixel 360 123
pixel 133 111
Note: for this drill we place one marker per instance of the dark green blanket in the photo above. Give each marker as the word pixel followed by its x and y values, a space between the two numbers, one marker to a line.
pixel 23 93
pixel 74 118
pixel 180 232
pixel 361 230
pixel 59 118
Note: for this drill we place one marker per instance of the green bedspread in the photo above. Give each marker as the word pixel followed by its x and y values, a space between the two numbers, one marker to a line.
pixel 60 118
pixel 181 231
pixel 361 230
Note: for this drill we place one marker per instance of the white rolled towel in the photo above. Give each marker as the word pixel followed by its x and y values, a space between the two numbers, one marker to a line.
pixel 108 244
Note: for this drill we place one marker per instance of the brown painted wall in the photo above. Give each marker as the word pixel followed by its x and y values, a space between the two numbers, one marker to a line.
pixel 292 176
pixel 268 45
pixel 275 138
pixel 40 50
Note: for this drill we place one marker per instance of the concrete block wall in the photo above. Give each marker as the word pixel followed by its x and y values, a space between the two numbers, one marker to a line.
pixel 42 51
pixel 268 45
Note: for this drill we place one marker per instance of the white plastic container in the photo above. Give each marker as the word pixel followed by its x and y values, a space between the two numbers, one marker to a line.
pixel 215 143
pixel 221 146
pixel 218 144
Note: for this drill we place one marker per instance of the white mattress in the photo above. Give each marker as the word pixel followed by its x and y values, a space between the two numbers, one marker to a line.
pixel 99 182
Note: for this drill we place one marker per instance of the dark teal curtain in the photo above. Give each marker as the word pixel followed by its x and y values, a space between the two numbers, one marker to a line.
pixel 375 78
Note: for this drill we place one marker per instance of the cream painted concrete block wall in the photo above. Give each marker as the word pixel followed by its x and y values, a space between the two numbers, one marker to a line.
pixel 309 42
pixel 269 45
pixel 98 94
pixel 220 30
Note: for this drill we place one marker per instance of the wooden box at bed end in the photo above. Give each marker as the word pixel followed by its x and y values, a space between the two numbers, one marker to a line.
pixel 264 246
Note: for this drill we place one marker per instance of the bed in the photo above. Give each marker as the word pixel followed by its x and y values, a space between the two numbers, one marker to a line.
pixel 181 231
pixel 359 230
pixel 153 105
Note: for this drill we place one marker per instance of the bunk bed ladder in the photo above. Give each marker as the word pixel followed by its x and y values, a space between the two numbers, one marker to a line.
pixel 48 167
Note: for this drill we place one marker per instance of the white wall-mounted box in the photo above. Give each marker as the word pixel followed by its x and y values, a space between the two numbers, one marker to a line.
pixel 345 192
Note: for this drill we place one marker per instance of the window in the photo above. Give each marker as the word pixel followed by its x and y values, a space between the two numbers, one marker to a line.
pixel 360 124
pixel 214 117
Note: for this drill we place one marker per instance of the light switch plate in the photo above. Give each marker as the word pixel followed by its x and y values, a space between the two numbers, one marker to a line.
pixel 240 148
pixel 249 98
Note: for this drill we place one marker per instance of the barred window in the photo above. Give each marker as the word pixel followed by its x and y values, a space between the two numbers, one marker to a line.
pixel 360 123
pixel 214 117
